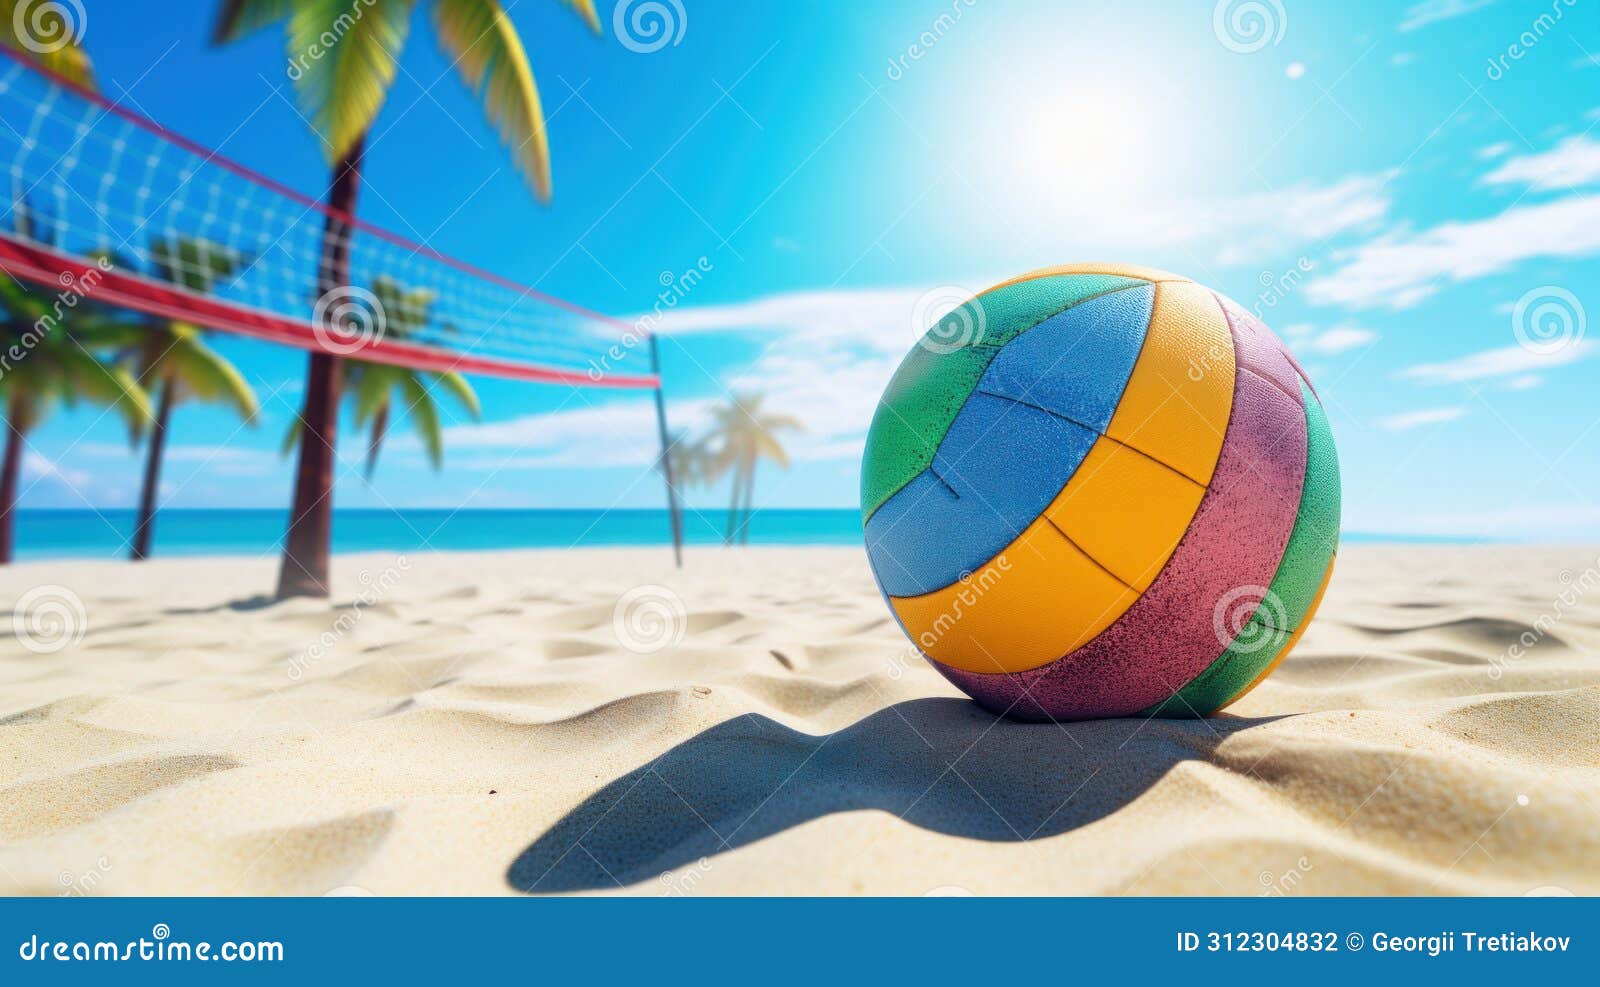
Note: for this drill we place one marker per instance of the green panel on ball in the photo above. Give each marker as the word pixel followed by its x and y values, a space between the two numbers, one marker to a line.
pixel 933 383
pixel 1294 587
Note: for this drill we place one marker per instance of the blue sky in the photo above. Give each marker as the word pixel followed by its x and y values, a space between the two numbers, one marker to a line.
pixel 1386 183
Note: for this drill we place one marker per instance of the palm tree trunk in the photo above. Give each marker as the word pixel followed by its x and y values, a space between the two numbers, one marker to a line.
pixel 9 471
pixel 733 508
pixel 144 529
pixel 749 498
pixel 307 549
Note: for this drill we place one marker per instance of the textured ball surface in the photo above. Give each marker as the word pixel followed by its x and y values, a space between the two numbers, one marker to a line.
pixel 1101 491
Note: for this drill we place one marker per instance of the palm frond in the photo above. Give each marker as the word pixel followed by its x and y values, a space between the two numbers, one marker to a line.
pixel 462 391
pixel 343 90
pixel 240 18
pixel 207 375
pixel 425 419
pixel 490 59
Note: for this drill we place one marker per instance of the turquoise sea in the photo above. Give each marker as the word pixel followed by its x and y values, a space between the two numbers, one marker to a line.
pixel 102 534
pixel 44 534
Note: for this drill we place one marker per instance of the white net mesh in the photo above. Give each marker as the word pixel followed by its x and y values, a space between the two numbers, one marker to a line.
pixel 187 233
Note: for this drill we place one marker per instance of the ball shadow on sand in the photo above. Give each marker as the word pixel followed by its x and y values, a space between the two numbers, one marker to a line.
pixel 943 764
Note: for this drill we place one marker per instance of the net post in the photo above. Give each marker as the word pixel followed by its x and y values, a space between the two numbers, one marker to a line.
pixel 674 518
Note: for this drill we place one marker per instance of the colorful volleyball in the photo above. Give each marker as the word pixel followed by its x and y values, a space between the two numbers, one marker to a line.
pixel 1101 490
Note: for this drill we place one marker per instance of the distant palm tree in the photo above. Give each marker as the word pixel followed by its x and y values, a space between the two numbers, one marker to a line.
pixel 47 34
pixel 174 363
pixel 47 342
pixel 746 435
pixel 373 386
pixel 343 90
pixel 694 464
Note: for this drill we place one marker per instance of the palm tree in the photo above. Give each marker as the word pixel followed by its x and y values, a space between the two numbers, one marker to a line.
pixel 747 435
pixel 46 33
pixel 173 361
pixel 373 386
pixel 47 340
pixel 343 90
pixel 694 464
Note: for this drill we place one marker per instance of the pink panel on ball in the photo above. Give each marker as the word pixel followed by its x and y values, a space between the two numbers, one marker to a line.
pixel 1168 637
pixel 1257 349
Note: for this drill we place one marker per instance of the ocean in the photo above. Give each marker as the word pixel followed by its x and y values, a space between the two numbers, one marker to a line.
pixel 103 534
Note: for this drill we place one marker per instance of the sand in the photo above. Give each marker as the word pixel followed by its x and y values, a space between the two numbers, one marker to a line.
pixel 481 724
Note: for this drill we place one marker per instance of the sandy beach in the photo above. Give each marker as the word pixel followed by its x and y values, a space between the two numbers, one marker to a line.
pixel 500 723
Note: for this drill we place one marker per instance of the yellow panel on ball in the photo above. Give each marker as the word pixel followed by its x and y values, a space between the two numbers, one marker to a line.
pixel 1176 405
pixel 1034 602
pixel 1126 510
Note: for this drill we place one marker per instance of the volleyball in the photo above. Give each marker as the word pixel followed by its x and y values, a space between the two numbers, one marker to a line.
pixel 1101 490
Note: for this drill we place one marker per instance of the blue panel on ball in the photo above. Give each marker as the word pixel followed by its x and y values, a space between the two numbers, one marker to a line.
pixel 1077 364
pixel 997 469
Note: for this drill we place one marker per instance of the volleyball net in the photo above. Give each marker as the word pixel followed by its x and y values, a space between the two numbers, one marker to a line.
pixel 139 217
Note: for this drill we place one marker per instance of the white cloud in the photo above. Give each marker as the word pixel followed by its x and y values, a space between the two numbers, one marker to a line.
pixel 1573 162
pixel 1338 339
pixel 1497 150
pixel 1504 362
pixel 1431 11
pixel 1549 520
pixel 880 319
pixel 1417 419
pixel 1526 382
pixel 1401 270
pixel 1401 59
pixel 41 467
